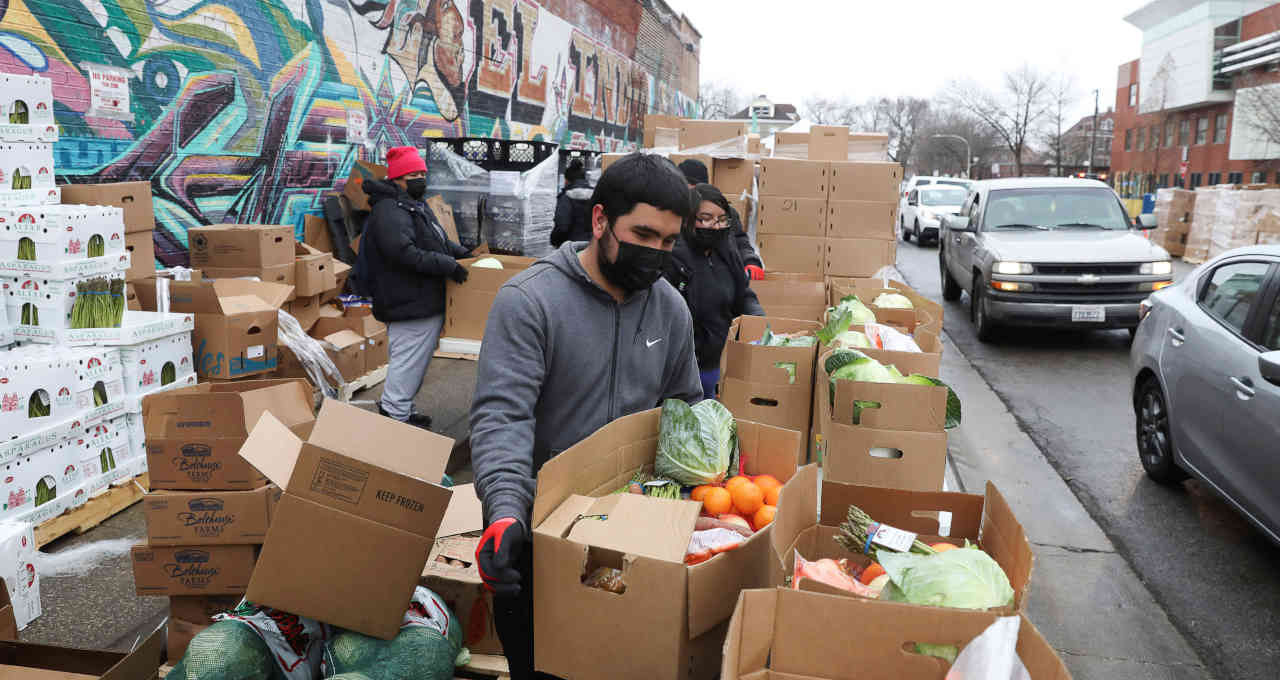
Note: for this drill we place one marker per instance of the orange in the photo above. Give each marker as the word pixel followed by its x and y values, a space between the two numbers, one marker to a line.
pixel 766 482
pixel 699 492
pixel 717 501
pixel 870 573
pixel 943 547
pixel 764 517
pixel 747 499
pixel 735 482
pixel 771 495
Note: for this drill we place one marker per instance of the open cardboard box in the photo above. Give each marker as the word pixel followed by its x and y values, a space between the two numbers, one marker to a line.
pixel 363 487
pixel 671 615
pixel 190 614
pixel 452 573
pixel 467 304
pixel 792 296
pixel 916 408
pixel 755 387
pixel 8 623
pixel 29 661
pixel 802 526
pixel 241 245
pixel 924 312
pixel 778 634
pixel 193 434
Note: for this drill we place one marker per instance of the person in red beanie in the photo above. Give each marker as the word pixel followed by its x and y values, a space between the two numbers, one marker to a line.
pixel 405 258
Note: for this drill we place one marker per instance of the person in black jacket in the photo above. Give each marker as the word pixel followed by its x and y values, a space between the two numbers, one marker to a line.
pixel 695 173
pixel 573 207
pixel 406 258
pixel 708 271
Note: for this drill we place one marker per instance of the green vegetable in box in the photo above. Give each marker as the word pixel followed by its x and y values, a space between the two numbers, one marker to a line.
pixel 850 364
pixel 696 444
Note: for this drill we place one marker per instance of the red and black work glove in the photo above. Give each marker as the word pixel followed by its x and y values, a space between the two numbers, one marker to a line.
pixel 755 273
pixel 497 554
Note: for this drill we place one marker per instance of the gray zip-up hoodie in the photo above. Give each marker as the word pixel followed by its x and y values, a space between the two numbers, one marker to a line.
pixel 560 359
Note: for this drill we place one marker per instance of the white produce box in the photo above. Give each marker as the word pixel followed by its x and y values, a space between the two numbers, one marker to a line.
pixel 61 237
pixel 17 566
pixel 41 486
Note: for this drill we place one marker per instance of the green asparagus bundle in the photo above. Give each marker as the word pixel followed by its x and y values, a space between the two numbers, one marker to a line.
pixel 38 406
pixel 99 394
pixel 656 489
pixel 855 531
pixel 107 460
pixel 97 247
pixel 19 115
pixel 45 491
pixel 26 249
pixel 99 304
pixel 168 374
pixel 117 302
pixel 30 314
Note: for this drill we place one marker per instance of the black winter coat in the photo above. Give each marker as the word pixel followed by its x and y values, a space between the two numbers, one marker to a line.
pixel 408 257
pixel 742 241
pixel 715 286
pixel 573 214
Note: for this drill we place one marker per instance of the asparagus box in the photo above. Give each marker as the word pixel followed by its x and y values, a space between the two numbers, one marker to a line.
pixel 99 390
pixel 37 239
pixel 102 447
pixel 18 570
pixel 135 328
pixel 132 197
pixel 42 308
pixel 27 100
pixel 37 399
pixel 40 486
pixel 157 363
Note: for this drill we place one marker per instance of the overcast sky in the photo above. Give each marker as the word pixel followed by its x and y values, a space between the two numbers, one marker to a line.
pixel 792 49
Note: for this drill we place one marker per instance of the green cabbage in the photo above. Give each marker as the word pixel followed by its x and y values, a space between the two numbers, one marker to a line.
pixel 696 444
pixel 964 578
pixel 850 312
pixel 488 263
pixel 849 364
pixel 852 339
pixel 893 301
pixel 771 339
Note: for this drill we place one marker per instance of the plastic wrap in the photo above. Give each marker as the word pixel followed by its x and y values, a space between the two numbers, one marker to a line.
pixel 463 185
pixel 1204 217
pixel 521 209
pixel 1232 211
pixel 310 354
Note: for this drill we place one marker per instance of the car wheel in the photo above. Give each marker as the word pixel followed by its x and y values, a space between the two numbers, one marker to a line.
pixel 950 289
pixel 906 234
pixel 1155 442
pixel 915 231
pixel 983 326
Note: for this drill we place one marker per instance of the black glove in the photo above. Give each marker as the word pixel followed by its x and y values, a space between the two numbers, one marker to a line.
pixel 496 556
pixel 459 274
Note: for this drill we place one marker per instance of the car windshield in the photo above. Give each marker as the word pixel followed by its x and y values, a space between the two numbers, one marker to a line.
pixel 1055 208
pixel 942 196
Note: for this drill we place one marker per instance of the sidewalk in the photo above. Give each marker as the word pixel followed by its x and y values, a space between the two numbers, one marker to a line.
pixel 1085 599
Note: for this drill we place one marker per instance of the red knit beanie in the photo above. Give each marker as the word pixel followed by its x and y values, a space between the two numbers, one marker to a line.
pixel 402 160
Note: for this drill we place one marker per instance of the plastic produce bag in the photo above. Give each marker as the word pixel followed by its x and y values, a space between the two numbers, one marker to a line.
pixel 708 543
pixel 889 338
pixel 310 354
pixel 992 655
pixel 428 646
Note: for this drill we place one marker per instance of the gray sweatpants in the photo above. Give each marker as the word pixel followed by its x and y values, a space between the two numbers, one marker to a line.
pixel 410 344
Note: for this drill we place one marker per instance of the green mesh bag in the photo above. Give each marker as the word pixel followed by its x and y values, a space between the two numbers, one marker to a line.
pixel 227 650
pixel 427 647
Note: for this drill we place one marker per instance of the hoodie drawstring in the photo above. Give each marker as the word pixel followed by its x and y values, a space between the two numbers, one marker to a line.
pixel 648 295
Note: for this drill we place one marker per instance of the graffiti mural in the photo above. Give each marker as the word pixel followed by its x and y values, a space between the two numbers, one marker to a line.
pixel 240 107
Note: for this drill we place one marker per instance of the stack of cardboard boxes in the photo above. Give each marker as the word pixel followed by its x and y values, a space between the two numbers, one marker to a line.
pixel 1173 211
pixel 208 509
pixel 134 199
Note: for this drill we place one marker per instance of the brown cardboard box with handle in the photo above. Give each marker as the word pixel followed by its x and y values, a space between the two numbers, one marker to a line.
pixel 792 216
pixel 8 622
pixel 828 143
pixel 865 181
pixel 696 133
pixel 862 219
pixel 770 385
pixel 241 245
pixel 733 176
pixel 30 661
pixel 209 517
pixel 360 486
pixel 923 312
pixel 794 178
pixel 792 296
pixel 467 304
pixel 860 257
pixel 142 255
pixel 782 633
pixel 361 171
pixel 190 614
pixel 313 271
pixel 194 433
pixel 916 408
pixel 192 570
pixel 132 197
pixel 671 615
pixel 346 349
pixel 793 254
pixel 803 527
pixel 452 572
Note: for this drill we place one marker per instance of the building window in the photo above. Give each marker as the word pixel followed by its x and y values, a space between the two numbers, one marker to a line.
pixel 1133 95
pixel 1184 132
pixel 1220 129
pixel 1142 135
pixel 1215 178
pixel 1258 178
pixel 1164 180
pixel 1202 129
pixel 1128 140
pixel 1168 133
pixel 1235 178
pixel 1195 180
pixel 1177 181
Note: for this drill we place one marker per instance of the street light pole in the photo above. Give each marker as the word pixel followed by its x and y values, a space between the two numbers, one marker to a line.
pixel 1093 141
pixel 968 155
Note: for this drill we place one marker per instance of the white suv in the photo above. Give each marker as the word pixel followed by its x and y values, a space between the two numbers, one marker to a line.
pixel 923 180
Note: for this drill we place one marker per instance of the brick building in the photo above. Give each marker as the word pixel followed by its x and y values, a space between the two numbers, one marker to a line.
pixel 1195 109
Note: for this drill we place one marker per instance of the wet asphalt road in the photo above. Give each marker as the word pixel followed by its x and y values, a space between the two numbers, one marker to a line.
pixel 1215 575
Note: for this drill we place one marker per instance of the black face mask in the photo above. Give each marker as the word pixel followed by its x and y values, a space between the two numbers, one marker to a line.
pixel 636 267
pixel 708 239
pixel 416 188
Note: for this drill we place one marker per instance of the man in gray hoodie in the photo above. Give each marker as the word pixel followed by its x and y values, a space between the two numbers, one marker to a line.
pixel 584 336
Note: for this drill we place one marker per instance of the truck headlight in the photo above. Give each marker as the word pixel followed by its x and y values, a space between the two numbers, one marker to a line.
pixel 1012 268
pixel 1161 268
pixel 928 215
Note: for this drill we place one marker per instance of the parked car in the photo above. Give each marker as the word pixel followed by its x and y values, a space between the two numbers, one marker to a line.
pixel 1205 365
pixel 925 207
pixel 925 180
pixel 1050 252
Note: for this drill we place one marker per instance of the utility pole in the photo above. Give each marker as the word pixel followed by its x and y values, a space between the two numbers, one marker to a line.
pixel 968 157
pixel 1093 140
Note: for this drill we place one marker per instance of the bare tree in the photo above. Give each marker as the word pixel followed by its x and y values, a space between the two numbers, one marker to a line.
pixel 1012 112
pixel 903 117
pixel 947 156
pixel 1062 95
pixel 830 111
pixel 1154 102
pixel 719 101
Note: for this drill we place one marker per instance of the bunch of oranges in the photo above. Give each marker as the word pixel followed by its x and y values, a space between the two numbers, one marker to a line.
pixel 755 499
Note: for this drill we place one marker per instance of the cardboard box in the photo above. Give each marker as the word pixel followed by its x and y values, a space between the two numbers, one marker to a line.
pixel 794 254
pixel 21 582
pixel 354 187
pixel 305 309
pixel 314 272
pixel 190 614
pixel 733 176
pixel 783 633
pixel 29 661
pixel 792 216
pixel 377 352
pixel 792 296
pixel 984 519
pixel 133 197
pixel 696 133
pixel 452 573
pixel 142 255
pixel 828 143
pixel 754 387
pixel 467 304
pixel 794 178
pixel 8 624
pixel 315 233
pixel 444 214
pixel 192 570
pixel 240 245
pixel 671 615
pixel 280 274
pixel 653 121
pixel 858 257
pixel 925 313
pixel 357 487
pixel 862 219
pixel 235 326
pixel 131 298
pixel 193 434
pixel 865 181
pixel 893 459
pixel 341 270
pixel 352 319
pixel 209 517
pixel 915 408
pixel 346 349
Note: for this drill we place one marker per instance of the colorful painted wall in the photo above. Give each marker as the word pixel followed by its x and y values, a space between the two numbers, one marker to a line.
pixel 243 110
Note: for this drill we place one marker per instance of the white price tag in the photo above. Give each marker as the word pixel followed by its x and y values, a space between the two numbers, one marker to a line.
pixel 255 352
pixel 893 539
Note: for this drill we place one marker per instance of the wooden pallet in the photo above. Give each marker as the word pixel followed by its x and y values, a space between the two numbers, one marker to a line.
pixel 94 512
pixel 367 380
pixel 484 666
pixel 456 355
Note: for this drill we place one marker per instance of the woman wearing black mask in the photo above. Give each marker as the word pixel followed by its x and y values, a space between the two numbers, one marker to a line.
pixel 707 269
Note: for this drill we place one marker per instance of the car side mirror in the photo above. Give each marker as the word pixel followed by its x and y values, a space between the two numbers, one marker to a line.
pixel 912 201
pixel 957 222
pixel 1269 367
pixel 1146 221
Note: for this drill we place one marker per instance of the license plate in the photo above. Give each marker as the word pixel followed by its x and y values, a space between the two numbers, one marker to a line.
pixel 1089 313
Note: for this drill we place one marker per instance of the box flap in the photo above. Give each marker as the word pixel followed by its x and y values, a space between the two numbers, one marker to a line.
pixel 920 408
pixel 910 510
pixel 465 513
pixel 226 409
pixel 639 525
pixel 344 338
pixel 384 442
pixel 750 636
pixel 273 449
pixel 1004 539
pixel 797 510
pixel 273 295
